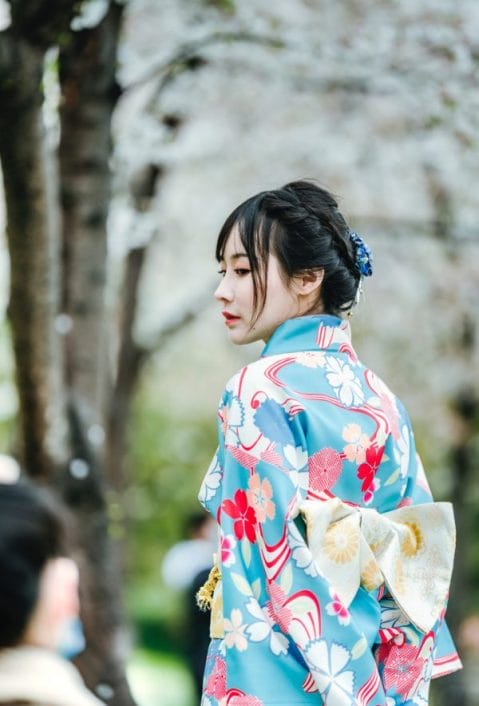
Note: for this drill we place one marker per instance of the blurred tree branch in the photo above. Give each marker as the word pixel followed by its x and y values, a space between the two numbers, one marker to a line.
pixel 188 56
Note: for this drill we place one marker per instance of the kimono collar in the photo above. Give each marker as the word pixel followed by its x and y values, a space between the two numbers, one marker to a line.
pixel 310 333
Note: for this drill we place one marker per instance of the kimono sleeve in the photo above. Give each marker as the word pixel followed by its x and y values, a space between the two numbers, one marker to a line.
pixel 265 559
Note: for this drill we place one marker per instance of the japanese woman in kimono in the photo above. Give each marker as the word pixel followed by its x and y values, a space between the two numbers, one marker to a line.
pixel 333 566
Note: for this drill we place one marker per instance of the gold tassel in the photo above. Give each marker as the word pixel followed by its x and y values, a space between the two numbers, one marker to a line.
pixel 204 596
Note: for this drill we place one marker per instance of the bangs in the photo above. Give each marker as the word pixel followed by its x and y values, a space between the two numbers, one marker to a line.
pixel 255 229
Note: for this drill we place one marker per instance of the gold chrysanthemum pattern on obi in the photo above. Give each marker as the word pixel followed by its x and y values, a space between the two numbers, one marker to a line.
pixel 371 576
pixel 341 542
pixel 410 549
pixel 412 542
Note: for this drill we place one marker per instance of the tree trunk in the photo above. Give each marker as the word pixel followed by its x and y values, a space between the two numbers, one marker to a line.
pixel 33 228
pixel 89 92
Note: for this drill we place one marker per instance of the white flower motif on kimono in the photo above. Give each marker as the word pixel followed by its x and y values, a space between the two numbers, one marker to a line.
pixel 211 481
pixel 345 383
pixel 300 552
pixel 297 457
pixel 393 617
pixel 263 628
pixel 327 666
pixel 311 359
pixel 403 454
pixel 234 631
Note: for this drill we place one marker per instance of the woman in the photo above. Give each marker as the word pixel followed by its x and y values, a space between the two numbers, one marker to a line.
pixel 334 563
pixel 38 604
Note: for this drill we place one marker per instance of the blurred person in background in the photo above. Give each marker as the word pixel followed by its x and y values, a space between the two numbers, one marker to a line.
pixel 185 568
pixel 39 603
pixel 334 563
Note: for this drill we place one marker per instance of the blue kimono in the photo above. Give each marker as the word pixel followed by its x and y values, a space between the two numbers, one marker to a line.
pixel 334 561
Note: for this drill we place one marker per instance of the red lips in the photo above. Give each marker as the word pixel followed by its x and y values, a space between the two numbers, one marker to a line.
pixel 229 318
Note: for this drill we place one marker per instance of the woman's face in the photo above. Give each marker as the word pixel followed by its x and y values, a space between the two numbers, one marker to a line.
pixel 235 294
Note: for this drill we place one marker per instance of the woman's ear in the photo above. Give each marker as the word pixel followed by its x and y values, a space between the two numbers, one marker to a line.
pixel 308 283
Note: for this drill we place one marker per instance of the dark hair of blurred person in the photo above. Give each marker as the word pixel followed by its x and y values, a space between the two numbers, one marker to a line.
pixel 39 602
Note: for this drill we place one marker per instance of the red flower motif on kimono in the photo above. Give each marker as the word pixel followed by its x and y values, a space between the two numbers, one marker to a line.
pixel 277 611
pixel 402 668
pixel 216 683
pixel 324 469
pixel 243 514
pixel 367 471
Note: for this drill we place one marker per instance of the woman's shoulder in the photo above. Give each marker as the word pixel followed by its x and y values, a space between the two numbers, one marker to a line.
pixel 51 678
pixel 257 374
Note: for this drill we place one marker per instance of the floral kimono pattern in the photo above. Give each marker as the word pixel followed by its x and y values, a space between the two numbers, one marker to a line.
pixel 335 562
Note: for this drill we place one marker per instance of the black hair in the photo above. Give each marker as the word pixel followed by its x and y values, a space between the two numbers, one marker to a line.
pixel 195 522
pixel 32 531
pixel 302 226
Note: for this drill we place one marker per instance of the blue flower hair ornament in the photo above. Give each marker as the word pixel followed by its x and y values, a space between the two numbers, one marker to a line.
pixel 363 256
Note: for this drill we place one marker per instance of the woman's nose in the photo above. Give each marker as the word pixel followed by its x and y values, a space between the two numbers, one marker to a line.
pixel 223 291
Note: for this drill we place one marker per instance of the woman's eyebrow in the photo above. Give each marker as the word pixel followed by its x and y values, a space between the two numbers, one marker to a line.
pixel 234 257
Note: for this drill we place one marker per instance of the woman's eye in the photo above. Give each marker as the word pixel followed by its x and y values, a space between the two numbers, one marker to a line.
pixel 241 271
pixel 222 272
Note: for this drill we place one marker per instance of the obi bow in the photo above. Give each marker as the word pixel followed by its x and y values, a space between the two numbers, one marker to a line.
pixel 410 550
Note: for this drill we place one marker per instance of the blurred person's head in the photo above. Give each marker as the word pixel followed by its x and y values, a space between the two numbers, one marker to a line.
pixel 200 525
pixel 38 582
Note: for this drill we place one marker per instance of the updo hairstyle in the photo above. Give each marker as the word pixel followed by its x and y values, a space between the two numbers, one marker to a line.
pixel 31 533
pixel 301 225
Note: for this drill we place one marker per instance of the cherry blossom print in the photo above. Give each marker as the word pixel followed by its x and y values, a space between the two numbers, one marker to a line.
pixel 234 631
pixel 262 628
pixel 337 608
pixel 259 495
pixel 358 442
pixel 227 546
pixel 243 515
pixel 324 469
pixel 344 382
pixel 367 472
pixel 308 423
pixel 216 682
pixel 328 665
